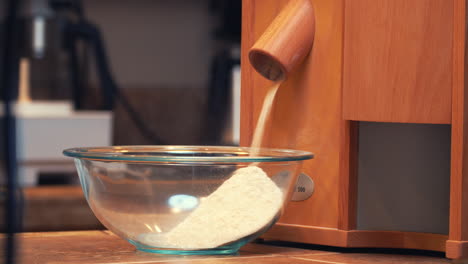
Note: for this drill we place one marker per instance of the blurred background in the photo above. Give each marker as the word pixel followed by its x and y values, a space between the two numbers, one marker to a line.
pixel 114 72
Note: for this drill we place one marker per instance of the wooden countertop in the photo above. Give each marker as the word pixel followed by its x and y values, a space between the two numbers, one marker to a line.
pixel 55 208
pixel 104 247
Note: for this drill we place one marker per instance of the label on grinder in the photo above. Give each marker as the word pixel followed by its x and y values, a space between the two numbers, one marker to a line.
pixel 304 188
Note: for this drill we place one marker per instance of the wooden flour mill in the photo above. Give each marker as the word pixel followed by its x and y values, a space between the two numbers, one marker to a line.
pixel 376 89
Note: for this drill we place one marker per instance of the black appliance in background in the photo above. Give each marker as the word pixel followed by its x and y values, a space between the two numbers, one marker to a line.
pixel 227 38
pixel 49 33
pixel 63 47
pixel 82 41
pixel 60 42
pixel 8 84
pixel 57 39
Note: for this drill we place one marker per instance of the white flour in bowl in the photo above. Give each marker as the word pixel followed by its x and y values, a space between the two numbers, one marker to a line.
pixel 242 205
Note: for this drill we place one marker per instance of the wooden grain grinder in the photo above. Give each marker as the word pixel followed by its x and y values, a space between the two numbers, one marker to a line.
pixel 376 89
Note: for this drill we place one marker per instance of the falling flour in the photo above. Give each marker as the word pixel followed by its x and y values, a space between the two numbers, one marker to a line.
pixel 245 203
pixel 262 119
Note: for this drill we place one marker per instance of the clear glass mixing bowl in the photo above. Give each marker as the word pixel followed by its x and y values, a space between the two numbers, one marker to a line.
pixel 187 199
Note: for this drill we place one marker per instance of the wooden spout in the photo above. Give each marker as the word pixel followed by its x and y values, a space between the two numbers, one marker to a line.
pixel 286 41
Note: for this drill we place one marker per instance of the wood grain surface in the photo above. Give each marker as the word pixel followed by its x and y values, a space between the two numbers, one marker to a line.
pixel 360 258
pixel 359 238
pixel 396 239
pixel 392 62
pixel 457 246
pixel 398 61
pixel 307 111
pixel 457 249
pixel 348 178
pixel 286 41
pixel 55 208
pixel 104 247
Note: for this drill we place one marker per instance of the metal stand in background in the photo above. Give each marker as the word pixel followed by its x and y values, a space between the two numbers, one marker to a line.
pixel 76 29
pixel 9 83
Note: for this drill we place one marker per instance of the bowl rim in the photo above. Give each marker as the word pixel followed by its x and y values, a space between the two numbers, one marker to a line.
pixel 142 153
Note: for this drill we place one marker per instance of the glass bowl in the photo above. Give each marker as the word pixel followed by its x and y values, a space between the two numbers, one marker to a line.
pixel 187 199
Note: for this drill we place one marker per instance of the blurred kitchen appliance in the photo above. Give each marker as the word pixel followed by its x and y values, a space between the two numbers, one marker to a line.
pixel 45 128
pixel 224 98
pixel 380 99
pixel 223 115
pixel 42 137
pixel 46 122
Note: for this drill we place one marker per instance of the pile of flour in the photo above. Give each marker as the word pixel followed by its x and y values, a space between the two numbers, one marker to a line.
pixel 242 205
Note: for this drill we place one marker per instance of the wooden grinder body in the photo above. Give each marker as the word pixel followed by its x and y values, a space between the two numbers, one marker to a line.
pixel 390 61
